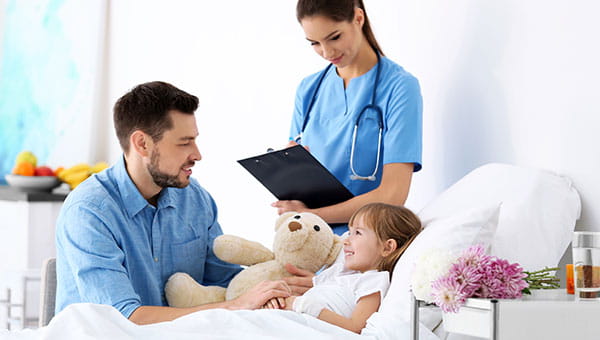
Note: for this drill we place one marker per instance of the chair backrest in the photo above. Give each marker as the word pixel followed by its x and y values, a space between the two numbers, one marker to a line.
pixel 47 291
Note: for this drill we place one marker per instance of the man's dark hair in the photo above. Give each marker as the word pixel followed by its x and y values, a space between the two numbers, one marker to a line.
pixel 146 107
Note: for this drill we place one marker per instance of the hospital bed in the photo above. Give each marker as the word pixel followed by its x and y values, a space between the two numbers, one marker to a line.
pixel 520 214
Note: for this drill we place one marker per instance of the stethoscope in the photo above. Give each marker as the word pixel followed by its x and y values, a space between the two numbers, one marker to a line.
pixel 372 105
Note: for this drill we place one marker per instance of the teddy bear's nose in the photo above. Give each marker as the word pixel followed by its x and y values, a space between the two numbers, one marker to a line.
pixel 294 226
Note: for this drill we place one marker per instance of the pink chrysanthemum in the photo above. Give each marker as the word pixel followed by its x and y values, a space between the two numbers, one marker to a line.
pixel 475 256
pixel 466 276
pixel 447 294
pixel 502 280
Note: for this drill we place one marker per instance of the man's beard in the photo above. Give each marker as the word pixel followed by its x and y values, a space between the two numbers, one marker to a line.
pixel 162 179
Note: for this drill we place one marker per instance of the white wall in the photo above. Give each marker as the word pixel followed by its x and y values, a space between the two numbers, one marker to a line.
pixel 503 81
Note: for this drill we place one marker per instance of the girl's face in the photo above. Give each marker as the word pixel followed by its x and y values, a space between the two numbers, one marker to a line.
pixel 337 42
pixel 362 249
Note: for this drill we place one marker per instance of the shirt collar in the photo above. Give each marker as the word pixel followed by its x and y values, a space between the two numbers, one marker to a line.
pixel 132 198
pixel 166 198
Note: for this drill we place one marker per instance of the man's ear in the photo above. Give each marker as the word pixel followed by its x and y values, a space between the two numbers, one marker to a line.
pixel 140 143
pixel 389 246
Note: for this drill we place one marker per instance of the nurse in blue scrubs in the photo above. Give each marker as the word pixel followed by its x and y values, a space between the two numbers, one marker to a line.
pixel 361 117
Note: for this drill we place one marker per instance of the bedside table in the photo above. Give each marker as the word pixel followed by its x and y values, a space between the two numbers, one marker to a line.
pixel 548 314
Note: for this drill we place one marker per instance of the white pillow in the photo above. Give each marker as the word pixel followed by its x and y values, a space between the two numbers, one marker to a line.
pixel 454 232
pixel 539 211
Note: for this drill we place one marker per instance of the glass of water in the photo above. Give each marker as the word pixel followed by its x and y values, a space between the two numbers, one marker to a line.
pixel 586 265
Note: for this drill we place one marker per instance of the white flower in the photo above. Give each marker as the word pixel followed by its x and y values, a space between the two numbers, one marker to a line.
pixel 432 264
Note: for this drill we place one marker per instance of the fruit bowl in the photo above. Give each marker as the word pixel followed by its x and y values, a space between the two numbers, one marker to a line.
pixel 32 183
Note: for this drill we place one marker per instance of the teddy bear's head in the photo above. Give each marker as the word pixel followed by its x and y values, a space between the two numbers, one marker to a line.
pixel 305 240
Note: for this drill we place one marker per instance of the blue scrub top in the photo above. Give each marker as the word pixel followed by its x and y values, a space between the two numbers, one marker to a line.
pixel 328 132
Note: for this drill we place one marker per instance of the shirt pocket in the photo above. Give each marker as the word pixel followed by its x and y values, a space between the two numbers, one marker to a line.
pixel 190 257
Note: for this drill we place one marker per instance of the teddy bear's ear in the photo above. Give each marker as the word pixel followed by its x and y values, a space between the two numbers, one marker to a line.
pixel 283 217
pixel 338 243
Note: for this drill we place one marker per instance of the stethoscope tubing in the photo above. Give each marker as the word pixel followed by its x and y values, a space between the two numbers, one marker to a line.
pixel 372 105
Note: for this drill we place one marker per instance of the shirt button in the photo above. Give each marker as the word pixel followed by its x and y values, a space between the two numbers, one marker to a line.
pixel 156 259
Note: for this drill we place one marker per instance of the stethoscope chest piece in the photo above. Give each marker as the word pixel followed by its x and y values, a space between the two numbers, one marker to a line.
pixel 371 106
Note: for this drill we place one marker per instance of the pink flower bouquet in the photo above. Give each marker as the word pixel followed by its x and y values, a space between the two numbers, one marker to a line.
pixel 475 274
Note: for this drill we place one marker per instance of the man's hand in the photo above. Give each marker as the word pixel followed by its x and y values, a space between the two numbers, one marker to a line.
pixel 258 296
pixel 301 281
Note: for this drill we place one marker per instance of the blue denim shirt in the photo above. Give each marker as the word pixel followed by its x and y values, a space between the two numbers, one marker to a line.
pixel 114 248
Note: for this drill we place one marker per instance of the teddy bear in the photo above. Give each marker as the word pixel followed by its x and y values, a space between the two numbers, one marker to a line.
pixel 302 239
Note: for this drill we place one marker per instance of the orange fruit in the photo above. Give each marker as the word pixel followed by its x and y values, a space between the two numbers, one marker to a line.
pixel 24 168
pixel 58 170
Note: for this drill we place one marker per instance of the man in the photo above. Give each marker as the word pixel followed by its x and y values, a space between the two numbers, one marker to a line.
pixel 124 231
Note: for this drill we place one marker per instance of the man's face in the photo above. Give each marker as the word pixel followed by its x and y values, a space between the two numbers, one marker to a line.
pixel 173 157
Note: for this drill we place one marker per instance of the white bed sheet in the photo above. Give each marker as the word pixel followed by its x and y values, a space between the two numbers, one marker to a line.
pixel 92 321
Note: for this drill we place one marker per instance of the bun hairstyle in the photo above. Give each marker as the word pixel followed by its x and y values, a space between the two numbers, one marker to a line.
pixel 337 10
pixel 390 222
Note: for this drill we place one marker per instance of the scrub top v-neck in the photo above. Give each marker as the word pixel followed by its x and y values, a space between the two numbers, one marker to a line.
pixel 328 132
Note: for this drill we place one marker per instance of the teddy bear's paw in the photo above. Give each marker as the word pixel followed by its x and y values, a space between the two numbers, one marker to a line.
pixel 234 249
pixel 182 290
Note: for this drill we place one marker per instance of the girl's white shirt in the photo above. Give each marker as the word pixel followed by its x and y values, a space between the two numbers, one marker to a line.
pixel 339 290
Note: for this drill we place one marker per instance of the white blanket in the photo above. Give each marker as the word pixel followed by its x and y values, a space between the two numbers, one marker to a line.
pixel 90 321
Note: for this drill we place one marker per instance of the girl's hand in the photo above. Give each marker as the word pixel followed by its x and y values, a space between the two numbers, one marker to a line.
pixel 275 303
pixel 289 303
pixel 293 205
pixel 260 295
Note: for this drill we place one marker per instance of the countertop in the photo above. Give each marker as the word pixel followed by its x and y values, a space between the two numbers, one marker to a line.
pixel 8 193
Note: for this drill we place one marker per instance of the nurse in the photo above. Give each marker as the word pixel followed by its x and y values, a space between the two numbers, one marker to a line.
pixel 361 117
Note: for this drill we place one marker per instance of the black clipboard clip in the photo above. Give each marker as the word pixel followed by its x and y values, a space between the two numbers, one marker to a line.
pixel 295 174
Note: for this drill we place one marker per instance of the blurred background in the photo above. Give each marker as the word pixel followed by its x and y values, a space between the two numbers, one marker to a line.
pixel 502 81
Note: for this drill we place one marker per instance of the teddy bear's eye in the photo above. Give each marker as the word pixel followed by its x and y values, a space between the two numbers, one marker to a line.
pixel 317 228
pixel 297 217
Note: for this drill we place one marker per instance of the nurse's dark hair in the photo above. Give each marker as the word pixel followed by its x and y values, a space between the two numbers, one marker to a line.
pixel 390 222
pixel 146 107
pixel 337 10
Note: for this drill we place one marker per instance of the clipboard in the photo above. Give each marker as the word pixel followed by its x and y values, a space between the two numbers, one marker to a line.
pixel 294 174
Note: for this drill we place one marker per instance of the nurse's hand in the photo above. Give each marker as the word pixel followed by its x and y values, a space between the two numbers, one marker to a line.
pixel 285 206
pixel 293 143
pixel 301 281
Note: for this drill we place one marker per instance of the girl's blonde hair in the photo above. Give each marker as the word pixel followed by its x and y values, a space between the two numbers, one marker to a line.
pixel 390 222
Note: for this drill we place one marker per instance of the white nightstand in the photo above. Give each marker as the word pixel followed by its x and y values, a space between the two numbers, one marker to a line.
pixel 549 314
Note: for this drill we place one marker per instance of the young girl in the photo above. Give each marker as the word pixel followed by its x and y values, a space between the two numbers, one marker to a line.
pixel 347 293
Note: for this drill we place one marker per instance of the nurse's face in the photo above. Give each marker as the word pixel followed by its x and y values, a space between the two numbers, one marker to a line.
pixel 174 155
pixel 336 41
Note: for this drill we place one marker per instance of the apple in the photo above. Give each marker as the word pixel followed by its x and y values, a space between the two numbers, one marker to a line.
pixel 43 171
pixel 27 156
